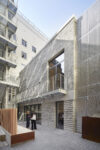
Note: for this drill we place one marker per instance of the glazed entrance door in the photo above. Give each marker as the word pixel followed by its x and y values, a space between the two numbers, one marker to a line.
pixel 60 115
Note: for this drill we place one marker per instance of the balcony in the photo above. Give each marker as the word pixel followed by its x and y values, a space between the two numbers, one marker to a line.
pixel 56 86
pixel 8 80
pixel 10 61
pixel 9 41
pixel 11 5
pixel 56 82
pixel 11 45
pixel 5 22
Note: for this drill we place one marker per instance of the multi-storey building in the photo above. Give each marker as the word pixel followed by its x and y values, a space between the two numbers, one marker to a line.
pixel 62 83
pixel 30 41
pixel 8 28
pixel 20 41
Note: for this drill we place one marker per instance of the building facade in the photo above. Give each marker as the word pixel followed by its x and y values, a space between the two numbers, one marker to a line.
pixel 30 40
pixel 88 65
pixel 63 85
pixel 20 41
pixel 48 87
pixel 8 28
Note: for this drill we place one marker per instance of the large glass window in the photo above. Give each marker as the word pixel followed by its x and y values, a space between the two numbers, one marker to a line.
pixel 34 108
pixel 56 72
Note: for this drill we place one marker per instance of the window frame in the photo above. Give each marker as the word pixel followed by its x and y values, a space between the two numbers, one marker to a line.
pixel 54 57
pixel 24 43
pixel 23 55
pixel 34 49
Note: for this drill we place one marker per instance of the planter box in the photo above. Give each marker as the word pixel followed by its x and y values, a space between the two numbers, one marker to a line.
pixel 91 128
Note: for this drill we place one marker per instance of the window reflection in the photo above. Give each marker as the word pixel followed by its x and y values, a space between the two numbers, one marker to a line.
pixel 56 72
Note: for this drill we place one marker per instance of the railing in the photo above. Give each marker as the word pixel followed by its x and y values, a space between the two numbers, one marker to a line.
pixel 1 75
pixel 56 82
pixel 12 39
pixel 11 79
pixel 8 78
pixel 2 53
pixel 9 17
pixel 14 2
pixel 3 33
pixel 10 57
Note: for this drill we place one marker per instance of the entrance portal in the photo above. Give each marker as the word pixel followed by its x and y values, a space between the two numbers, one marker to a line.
pixel 60 115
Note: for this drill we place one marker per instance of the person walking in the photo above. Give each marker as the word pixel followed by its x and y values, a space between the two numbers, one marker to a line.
pixel 33 121
pixel 27 119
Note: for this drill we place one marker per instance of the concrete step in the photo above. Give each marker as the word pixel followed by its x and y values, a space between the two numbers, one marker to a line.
pixel 2 135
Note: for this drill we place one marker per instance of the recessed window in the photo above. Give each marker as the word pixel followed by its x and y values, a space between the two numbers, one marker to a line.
pixel 34 49
pixel 56 72
pixel 24 55
pixel 24 43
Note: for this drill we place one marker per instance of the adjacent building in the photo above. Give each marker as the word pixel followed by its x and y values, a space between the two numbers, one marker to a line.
pixel 61 83
pixel 8 83
pixel 20 41
pixel 30 40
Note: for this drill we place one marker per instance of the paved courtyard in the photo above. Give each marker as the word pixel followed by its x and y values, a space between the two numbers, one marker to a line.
pixel 55 139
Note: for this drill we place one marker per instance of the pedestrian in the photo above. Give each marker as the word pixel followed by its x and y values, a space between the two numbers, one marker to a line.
pixel 27 119
pixel 33 121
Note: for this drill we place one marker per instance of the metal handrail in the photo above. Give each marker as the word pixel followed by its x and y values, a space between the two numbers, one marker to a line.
pixel 56 82
pixel 8 78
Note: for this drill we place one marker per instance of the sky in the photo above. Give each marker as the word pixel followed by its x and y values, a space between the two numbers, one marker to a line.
pixel 50 15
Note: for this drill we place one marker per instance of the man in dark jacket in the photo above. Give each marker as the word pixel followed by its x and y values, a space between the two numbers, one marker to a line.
pixel 27 119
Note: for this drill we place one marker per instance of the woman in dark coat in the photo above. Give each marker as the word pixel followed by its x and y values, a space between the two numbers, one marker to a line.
pixel 27 119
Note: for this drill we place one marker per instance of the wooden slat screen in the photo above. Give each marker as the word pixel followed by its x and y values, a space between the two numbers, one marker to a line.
pixel 8 120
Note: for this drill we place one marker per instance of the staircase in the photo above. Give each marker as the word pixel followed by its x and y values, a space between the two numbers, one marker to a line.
pixel 2 138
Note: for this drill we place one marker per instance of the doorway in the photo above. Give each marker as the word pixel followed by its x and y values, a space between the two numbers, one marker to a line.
pixel 60 115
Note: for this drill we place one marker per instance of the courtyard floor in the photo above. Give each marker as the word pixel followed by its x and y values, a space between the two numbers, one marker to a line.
pixel 55 139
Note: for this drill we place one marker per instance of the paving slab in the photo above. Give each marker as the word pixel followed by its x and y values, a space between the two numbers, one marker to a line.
pixel 55 139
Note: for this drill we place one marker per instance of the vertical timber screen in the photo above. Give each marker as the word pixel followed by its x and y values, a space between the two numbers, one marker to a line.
pixel 8 120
